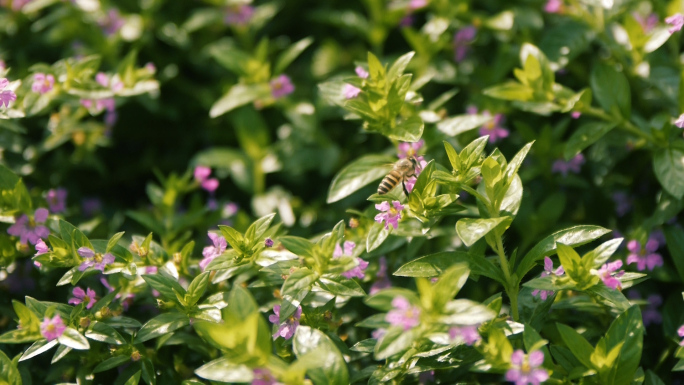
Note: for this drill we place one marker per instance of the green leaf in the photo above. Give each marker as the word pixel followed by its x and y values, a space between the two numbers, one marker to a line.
pixel 290 54
pixel 222 370
pixel 160 325
pixel 395 341
pixel 61 352
pixel 434 264
pixel 510 91
pixel 462 123
pixel 570 261
pixel 197 288
pixel 9 372
pixel 573 236
pixel 408 130
pixel 466 312
pixel 148 373
pixel 627 331
pixel 470 230
pixel 382 300
pixel 294 289
pixel 300 246
pixel 675 244
pixel 166 286
pixel 102 332
pixel 110 363
pixel 238 95
pixel 331 368
pixel 585 136
pixel 73 339
pixel 614 297
pixel 259 227
pixel 668 165
pixel 398 67
pixel 611 90
pixel 377 234
pixel 578 345
pixel 449 284
pixel 341 286
pixel 113 241
pixel 38 347
pixel 358 174
pixel 8 179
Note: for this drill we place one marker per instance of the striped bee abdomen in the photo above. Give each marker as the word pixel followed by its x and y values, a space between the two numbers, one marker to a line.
pixel 388 182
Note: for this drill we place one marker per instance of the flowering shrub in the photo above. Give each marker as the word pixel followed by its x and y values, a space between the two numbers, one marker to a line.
pixel 189 192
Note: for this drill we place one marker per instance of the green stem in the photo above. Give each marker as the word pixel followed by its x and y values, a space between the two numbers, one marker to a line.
pixel 511 287
pixel 624 124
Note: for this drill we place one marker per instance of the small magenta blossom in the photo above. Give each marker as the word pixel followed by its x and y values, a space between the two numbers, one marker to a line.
pixel 202 176
pixel 378 333
pixel 463 38
pixel 382 279
pixel 609 274
pixel 105 81
pixel 356 271
pixel 680 332
pixel 553 6
pixel 417 4
pixel 6 96
pixel 287 329
pixel 87 296
pixel 52 328
pixel 680 121
pixel 112 22
pixel 676 21
pixel 390 214
pixel 575 114
pixel 263 377
pixel 409 149
pixel 238 15
pixel 468 334
pixel 42 248
pixel 548 270
pixel 30 230
pixel 492 128
pixel 281 86
pixel 361 72
pixel 268 242
pixel 93 259
pixel 525 369
pixel 647 22
pixel 210 252
pixel 411 182
pixel 42 83
pixel 646 257
pixel 403 314
pixel 350 92
pixel 573 165
pixel 56 199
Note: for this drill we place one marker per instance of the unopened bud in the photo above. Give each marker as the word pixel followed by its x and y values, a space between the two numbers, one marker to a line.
pixel 354 223
pixel 84 322
pixel 268 242
pixel 136 356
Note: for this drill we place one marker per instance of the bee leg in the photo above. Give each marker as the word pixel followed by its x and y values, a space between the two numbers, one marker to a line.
pixel 403 184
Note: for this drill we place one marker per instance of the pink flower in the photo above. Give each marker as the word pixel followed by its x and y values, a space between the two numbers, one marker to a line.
pixel 382 281
pixel 468 334
pixel 87 296
pixel 573 165
pixel 356 271
pixel 6 96
pixel 493 127
pixel 644 257
pixel 42 248
pixel 202 173
pixel 403 314
pixel 361 72
pixel 211 252
pixel 411 182
pixel 647 22
pixel 390 214
pixel 281 86
pixel 524 370
pixel 609 274
pixel 263 377
pixel 462 41
pixel 680 121
pixel 238 15
pixel 31 230
pixel 56 199
pixel 42 83
pixel 52 328
pixel 680 332
pixel 202 176
pixel 350 92
pixel 287 329
pixel 575 114
pixel 104 81
pixel 553 6
pixel 96 260
pixel 417 4
pixel 676 21
pixel 548 270
pixel 409 149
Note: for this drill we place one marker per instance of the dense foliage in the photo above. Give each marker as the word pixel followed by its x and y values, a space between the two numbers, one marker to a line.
pixel 291 192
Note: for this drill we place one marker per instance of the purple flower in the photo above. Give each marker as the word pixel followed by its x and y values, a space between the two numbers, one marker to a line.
pixel 361 72
pixel 406 21
pixel 211 252
pixel 268 242
pixel 650 314
pixel 575 114
pixel 31 230
pixel 96 260
pixel 383 281
pixel 553 6
pixel 468 334
pixel 609 274
pixel 52 328
pixel 493 127
pixel 42 248
pixel 462 41
pixel 548 270
pixel 647 22
pixel 356 271
pixel 350 92
pixel 524 370
pixel 6 96
pixel 263 377
pixel 644 257
pixel 90 206
pixel 676 21
pixel 281 86
pixel 403 314
pixel 390 214
pixel 287 329
pixel 573 165
pixel 623 203
pixel 56 199
pixel 112 22
pixel 680 121
pixel 238 15
pixel 42 83
pixel 87 296
pixel 409 149
pixel 680 332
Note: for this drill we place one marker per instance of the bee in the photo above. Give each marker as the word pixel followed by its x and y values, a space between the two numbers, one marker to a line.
pixel 402 170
